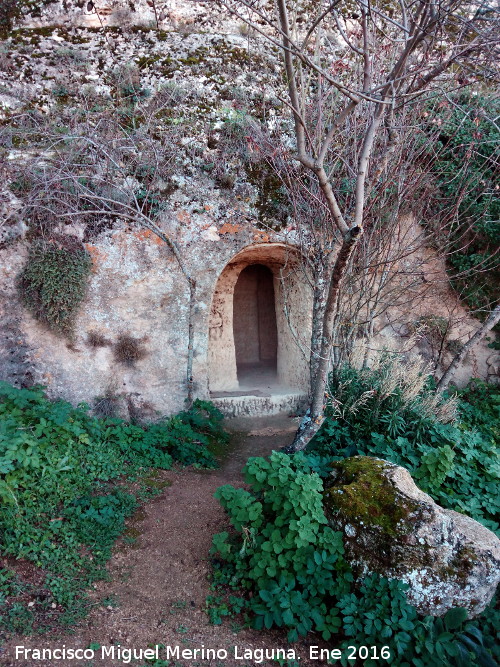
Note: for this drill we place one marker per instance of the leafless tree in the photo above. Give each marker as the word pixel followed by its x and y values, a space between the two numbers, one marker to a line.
pixel 398 268
pixel 487 326
pixel 350 70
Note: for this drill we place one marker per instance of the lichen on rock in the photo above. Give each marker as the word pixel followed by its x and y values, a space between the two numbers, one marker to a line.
pixel 393 528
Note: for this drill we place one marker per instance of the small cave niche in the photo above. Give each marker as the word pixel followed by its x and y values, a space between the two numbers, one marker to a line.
pixel 257 346
pixel 254 326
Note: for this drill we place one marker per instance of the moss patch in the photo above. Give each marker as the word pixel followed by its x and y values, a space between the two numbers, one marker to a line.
pixel 362 493
pixel 156 481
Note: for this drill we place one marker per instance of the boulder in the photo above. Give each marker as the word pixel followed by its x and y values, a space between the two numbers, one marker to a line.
pixel 393 528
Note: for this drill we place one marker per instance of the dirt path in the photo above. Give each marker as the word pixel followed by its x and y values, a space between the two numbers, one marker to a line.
pixel 160 582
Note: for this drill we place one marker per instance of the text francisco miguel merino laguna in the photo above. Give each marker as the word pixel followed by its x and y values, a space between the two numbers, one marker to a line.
pixel 126 655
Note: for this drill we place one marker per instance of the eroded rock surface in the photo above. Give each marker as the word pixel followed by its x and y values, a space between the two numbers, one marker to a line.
pixel 393 528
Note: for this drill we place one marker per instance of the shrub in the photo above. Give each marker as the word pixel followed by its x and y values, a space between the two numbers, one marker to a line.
pixel 188 435
pixel 287 562
pixel 64 494
pixel 54 280
pixel 467 163
pixel 389 412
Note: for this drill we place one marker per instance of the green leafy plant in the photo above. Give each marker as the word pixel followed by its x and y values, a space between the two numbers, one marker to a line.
pixel 220 606
pixel 54 280
pixel 64 497
pixel 467 163
pixel 283 547
pixel 401 420
pixel 288 565
pixel 453 640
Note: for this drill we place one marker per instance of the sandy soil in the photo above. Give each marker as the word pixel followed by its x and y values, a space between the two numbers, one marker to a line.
pixel 160 582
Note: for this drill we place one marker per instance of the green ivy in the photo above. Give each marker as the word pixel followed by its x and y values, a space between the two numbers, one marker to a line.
pixel 54 280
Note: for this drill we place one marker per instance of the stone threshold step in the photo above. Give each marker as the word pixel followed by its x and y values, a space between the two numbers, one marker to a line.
pixel 259 406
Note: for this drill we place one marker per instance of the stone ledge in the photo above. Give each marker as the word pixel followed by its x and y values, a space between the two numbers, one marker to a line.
pixel 260 406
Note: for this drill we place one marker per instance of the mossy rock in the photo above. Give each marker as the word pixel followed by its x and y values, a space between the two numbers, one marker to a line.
pixel 364 494
pixel 393 528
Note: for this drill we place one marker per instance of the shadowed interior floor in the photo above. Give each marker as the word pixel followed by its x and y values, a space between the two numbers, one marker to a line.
pixel 257 380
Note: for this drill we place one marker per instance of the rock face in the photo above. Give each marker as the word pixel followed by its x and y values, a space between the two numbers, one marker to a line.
pixel 67 56
pixel 393 528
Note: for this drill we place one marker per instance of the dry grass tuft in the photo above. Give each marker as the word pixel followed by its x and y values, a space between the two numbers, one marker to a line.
pixel 128 350
pixel 97 339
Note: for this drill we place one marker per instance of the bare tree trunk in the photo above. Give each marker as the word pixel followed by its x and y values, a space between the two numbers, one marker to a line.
pixel 321 282
pixel 315 417
pixel 487 325
pixel 190 354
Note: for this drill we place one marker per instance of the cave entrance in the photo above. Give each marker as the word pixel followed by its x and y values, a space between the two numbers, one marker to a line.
pixel 254 327
pixel 260 325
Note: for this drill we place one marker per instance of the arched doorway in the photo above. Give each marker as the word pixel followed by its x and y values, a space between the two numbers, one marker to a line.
pixel 260 324
pixel 254 326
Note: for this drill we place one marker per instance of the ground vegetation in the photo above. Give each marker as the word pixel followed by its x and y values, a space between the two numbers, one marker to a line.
pixel 284 565
pixel 68 481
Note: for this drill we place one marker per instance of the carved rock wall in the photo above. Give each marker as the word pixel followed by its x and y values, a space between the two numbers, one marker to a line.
pixel 136 287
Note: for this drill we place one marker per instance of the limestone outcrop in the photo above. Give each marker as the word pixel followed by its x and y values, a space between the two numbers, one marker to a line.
pixel 393 528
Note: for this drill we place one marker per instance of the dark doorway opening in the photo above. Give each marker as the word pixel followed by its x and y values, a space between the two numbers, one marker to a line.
pixel 254 327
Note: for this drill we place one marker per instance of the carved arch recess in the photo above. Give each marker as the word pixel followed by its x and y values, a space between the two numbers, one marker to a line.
pixel 293 305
